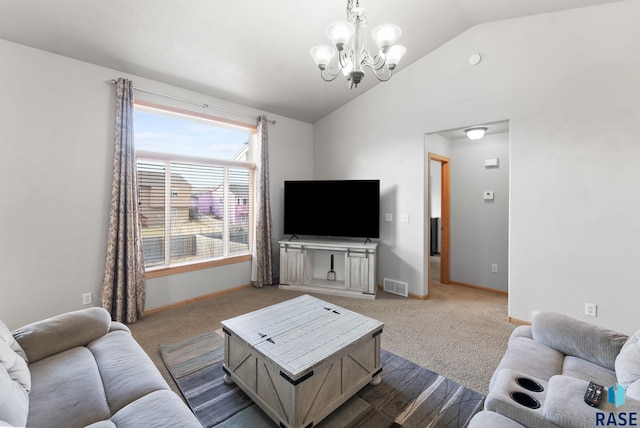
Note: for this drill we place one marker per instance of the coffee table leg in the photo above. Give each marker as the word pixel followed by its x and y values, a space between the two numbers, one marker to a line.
pixel 376 381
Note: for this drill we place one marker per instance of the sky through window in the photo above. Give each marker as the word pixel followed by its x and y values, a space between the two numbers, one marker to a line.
pixel 160 132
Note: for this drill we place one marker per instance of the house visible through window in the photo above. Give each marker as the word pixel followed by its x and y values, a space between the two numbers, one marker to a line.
pixel 194 186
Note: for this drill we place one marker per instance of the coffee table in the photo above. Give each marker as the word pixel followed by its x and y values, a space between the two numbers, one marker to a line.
pixel 301 359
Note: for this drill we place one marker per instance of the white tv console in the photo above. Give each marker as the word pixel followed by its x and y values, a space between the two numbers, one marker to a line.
pixel 304 264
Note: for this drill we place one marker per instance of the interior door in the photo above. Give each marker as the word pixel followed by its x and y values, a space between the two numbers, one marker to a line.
pixel 445 216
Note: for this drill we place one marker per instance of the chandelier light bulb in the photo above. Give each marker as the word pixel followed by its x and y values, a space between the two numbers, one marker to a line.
pixel 393 55
pixel 340 33
pixel 386 35
pixel 322 55
pixel 347 67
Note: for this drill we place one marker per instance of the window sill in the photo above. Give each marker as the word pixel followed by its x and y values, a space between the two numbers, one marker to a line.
pixel 166 271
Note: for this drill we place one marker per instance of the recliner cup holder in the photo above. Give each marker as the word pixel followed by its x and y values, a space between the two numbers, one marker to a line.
pixel 529 384
pixel 525 400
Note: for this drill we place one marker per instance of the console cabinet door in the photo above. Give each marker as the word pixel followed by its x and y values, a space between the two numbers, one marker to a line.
pixel 357 271
pixel 291 265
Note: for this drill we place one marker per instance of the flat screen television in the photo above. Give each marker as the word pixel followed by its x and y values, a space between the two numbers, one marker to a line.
pixel 332 208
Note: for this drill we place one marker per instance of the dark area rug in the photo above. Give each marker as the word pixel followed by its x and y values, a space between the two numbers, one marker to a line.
pixel 409 395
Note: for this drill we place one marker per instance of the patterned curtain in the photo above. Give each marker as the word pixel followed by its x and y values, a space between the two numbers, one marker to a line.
pixel 124 288
pixel 263 259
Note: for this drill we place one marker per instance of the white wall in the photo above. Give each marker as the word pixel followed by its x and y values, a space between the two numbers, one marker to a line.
pixel 56 127
pixel 568 83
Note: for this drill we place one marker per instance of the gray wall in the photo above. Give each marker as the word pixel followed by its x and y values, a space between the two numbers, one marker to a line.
pixel 57 121
pixel 479 228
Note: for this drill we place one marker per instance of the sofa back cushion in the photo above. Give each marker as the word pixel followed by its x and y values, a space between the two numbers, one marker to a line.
pixel 628 364
pixel 15 381
pixel 578 338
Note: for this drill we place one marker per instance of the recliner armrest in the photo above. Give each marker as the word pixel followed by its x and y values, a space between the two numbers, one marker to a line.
pixel 521 331
pixel 565 406
pixel 59 333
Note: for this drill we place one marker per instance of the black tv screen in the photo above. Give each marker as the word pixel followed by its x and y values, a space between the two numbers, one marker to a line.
pixel 340 208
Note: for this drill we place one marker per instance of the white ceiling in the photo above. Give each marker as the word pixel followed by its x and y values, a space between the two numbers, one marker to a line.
pixel 250 52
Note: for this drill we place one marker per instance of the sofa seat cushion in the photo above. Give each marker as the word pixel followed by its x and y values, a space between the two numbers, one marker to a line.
pixel 628 363
pixel 159 408
pixel 67 391
pixel 585 370
pixel 127 371
pixel 530 357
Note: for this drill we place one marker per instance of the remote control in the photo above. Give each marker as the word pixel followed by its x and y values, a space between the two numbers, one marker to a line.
pixel 593 395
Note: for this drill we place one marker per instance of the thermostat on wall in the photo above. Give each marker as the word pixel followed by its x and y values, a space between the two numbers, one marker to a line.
pixel 488 195
pixel 491 162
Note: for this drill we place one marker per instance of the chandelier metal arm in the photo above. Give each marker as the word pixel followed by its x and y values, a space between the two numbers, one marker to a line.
pixel 327 71
pixel 381 73
pixel 378 60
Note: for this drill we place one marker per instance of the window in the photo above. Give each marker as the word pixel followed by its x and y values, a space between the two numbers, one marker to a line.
pixel 192 171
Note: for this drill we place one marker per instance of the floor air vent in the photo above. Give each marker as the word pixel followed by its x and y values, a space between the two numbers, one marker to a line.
pixel 395 287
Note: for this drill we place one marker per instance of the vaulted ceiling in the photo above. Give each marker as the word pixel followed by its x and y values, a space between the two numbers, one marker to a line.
pixel 253 52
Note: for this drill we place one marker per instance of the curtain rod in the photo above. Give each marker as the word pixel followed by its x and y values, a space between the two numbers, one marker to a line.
pixel 148 91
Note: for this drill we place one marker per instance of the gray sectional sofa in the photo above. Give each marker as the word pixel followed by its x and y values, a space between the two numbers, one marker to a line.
pixel 81 369
pixel 542 378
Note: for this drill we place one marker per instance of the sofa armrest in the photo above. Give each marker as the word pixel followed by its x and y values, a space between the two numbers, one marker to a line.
pixel 521 331
pixel 565 406
pixel 56 334
pixel 578 338
pixel 118 326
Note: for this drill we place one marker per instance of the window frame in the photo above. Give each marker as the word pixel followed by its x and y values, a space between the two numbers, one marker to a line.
pixel 182 267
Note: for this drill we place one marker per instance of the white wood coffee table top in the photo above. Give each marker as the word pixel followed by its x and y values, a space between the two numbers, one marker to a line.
pixel 301 332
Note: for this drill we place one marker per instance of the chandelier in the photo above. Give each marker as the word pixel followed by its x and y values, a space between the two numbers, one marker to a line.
pixel 353 56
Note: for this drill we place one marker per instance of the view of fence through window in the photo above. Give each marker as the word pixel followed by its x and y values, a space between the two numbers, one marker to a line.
pixel 194 188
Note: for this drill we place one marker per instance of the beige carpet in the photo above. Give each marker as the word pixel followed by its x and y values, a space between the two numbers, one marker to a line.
pixel 459 332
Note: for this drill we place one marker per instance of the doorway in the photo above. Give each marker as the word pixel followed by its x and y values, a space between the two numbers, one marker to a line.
pixel 439 225
pixel 475 207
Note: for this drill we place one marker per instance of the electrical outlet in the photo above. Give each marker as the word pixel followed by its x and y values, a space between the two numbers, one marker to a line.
pixel 591 309
pixel 494 268
pixel 87 299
